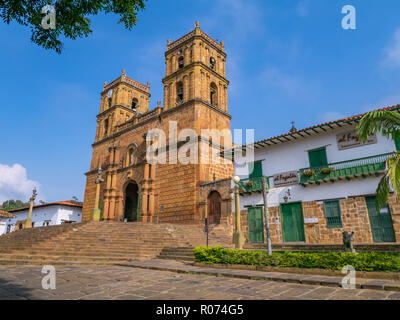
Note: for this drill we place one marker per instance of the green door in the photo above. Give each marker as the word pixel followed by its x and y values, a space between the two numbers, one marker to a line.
pixel 381 222
pixel 292 222
pixel 255 219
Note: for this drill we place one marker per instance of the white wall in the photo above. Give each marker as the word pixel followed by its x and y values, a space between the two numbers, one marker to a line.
pixel 55 214
pixel 292 156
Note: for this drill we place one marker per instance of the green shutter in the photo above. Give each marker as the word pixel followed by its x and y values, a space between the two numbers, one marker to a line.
pixel 396 138
pixel 255 169
pixel 381 222
pixel 333 214
pixel 317 157
pixel 255 220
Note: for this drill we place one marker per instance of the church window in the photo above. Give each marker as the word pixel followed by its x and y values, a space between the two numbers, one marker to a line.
pixel 105 127
pixel 179 92
pixel 134 103
pixel 181 62
pixel 131 157
pixel 212 63
pixel 109 96
pixel 213 94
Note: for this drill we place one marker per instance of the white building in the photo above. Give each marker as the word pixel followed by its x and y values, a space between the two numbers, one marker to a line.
pixel 47 214
pixel 322 182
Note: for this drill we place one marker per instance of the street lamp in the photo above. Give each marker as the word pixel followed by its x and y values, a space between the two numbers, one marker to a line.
pixel 238 237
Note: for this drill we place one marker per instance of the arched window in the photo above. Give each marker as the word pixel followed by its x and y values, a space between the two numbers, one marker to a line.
pixel 212 63
pixel 181 62
pixel 131 157
pixel 105 127
pixel 179 92
pixel 134 103
pixel 213 94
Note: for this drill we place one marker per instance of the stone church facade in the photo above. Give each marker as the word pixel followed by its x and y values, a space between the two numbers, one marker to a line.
pixel 195 98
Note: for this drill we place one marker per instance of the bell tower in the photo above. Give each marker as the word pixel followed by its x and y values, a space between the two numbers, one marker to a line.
pixel 121 100
pixel 195 70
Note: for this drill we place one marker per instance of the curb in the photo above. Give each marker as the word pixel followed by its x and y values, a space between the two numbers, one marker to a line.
pixel 327 281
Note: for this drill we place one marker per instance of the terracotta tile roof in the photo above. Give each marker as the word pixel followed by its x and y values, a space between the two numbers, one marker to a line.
pixel 5 214
pixel 69 203
pixel 315 129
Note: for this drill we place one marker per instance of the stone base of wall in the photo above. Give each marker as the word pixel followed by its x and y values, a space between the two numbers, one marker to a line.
pixel 354 218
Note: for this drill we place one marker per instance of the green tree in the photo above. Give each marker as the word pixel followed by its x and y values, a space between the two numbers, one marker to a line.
pixel 71 17
pixel 13 204
pixel 388 124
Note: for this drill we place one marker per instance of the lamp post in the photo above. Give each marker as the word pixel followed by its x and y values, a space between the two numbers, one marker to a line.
pixel 96 210
pixel 28 221
pixel 238 237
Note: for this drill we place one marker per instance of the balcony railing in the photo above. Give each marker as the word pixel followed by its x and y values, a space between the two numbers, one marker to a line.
pixel 251 185
pixel 345 169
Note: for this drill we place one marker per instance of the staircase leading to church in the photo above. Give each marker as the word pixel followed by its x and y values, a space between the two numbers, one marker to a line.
pixel 100 243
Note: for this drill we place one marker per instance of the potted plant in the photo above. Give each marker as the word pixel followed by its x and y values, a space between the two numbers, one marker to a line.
pixel 309 173
pixel 249 184
pixel 326 170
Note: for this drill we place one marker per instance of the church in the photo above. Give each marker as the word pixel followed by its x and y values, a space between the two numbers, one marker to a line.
pixel 195 97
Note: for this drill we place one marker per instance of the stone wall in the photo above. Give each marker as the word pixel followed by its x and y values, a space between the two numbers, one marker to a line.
pixel 354 218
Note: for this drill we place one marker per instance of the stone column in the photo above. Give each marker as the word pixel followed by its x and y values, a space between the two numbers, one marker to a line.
pixel 166 97
pixel 185 88
pixel 28 221
pixel 144 208
pixel 96 210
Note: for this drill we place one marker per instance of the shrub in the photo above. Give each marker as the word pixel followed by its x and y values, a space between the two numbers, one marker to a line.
pixel 363 261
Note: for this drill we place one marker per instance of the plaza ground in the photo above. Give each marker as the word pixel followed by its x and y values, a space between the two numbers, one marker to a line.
pixel 122 283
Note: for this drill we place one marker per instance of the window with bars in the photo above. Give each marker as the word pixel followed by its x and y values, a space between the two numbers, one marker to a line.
pixel 333 214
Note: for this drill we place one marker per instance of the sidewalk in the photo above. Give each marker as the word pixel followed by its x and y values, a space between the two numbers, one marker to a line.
pixel 188 267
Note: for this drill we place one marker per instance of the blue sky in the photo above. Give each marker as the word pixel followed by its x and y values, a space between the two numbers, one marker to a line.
pixel 287 60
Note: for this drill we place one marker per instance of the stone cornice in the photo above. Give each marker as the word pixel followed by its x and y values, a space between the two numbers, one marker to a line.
pixel 194 64
pixel 124 79
pixel 156 116
pixel 115 106
pixel 192 35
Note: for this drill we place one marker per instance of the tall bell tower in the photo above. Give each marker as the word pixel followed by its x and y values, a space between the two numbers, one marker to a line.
pixel 195 69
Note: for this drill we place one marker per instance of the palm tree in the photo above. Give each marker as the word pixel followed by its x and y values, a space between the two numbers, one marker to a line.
pixel 388 124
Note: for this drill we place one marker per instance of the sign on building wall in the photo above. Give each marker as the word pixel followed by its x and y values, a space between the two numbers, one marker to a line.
pixel 349 140
pixel 286 179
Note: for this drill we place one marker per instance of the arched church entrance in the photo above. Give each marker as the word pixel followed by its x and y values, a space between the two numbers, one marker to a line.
pixel 214 208
pixel 131 202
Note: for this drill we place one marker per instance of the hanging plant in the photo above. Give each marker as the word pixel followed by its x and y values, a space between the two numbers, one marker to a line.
pixel 249 184
pixel 326 170
pixel 308 173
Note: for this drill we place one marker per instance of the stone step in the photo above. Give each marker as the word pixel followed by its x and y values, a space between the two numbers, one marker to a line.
pixel 104 242
pixel 180 258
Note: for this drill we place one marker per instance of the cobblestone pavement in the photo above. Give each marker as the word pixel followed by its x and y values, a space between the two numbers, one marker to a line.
pixel 114 282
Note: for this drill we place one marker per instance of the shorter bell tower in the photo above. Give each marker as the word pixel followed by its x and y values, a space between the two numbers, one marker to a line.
pixel 121 100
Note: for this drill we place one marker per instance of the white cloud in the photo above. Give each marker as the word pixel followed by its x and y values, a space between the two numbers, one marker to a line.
pixel 392 51
pixel 14 183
